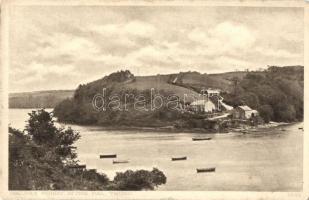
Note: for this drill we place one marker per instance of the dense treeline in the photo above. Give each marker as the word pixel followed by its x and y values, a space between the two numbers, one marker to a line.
pixel 80 110
pixel 277 93
pixel 40 158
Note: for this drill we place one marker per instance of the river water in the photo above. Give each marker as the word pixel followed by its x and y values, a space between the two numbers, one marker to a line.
pixel 266 161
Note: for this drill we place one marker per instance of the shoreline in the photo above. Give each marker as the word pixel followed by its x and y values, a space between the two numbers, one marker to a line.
pixel 242 129
pixel 161 129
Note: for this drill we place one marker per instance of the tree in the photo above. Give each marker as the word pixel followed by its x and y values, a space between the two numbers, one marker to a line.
pixel 41 127
pixel 39 157
pixel 250 99
pixel 236 82
pixel 266 112
pixel 138 180
pixel 43 131
pixel 285 112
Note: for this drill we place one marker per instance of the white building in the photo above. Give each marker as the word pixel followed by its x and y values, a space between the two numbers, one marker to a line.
pixel 244 112
pixel 211 92
pixel 203 106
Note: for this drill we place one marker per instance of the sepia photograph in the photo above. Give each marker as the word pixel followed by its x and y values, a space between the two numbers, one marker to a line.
pixel 136 97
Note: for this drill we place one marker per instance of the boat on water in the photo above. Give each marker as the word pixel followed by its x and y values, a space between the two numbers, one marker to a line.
pixel 301 128
pixel 179 158
pixel 199 139
pixel 108 156
pixel 120 161
pixel 201 170
pixel 282 129
pixel 77 166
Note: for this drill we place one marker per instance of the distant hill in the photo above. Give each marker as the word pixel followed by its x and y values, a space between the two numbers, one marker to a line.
pixel 38 99
pixel 188 83
pixel 277 93
pixel 80 108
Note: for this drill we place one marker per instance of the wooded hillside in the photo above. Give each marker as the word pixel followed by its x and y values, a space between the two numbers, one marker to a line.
pixel 277 93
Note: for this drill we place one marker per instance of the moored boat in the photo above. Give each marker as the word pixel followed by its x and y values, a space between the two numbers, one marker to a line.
pixel 120 161
pixel 109 156
pixel 211 169
pixel 199 139
pixel 77 166
pixel 179 158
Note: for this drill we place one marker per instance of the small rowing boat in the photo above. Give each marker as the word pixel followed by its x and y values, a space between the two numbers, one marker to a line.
pixel 179 158
pixel 120 161
pixel 77 166
pixel 301 128
pixel 200 139
pixel 201 170
pixel 109 156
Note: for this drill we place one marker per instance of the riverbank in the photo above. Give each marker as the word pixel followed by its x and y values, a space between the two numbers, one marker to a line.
pixel 171 129
pixel 262 127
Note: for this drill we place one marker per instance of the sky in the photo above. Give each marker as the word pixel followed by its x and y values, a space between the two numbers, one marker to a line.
pixel 60 47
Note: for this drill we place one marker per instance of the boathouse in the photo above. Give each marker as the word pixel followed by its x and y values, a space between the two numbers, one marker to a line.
pixel 244 112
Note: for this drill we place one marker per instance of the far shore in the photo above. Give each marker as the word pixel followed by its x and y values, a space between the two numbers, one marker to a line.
pixel 243 129
pixel 171 129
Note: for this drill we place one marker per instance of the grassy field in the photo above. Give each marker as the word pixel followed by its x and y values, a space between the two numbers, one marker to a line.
pixel 38 99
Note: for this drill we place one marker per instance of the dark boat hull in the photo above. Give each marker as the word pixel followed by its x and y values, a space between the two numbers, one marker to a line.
pixel 200 139
pixel 180 158
pixel 120 162
pixel 212 169
pixel 108 156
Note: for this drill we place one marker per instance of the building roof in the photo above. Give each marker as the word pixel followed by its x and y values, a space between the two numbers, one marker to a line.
pixel 245 108
pixel 200 102
pixel 254 111
pixel 212 91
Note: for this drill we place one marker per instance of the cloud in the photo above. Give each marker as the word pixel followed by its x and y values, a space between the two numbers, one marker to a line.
pixel 197 35
pixel 65 44
pixel 139 28
pixel 132 28
pixel 278 53
pixel 225 37
pixel 234 35
pixel 77 45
